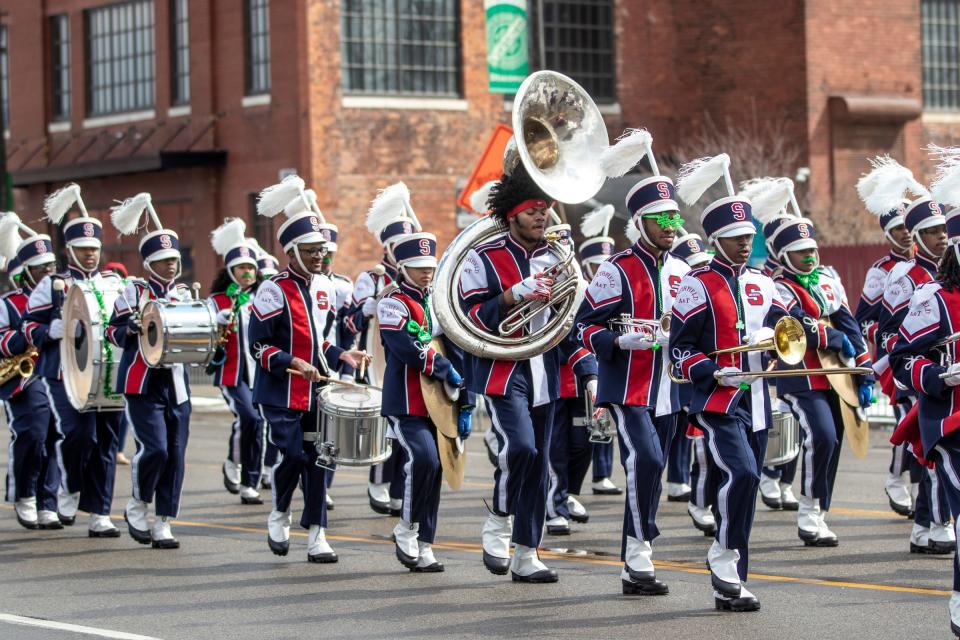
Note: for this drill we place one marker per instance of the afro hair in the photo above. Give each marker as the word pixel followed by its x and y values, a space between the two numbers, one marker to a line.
pixel 511 191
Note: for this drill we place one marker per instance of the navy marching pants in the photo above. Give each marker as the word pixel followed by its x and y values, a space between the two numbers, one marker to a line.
pixel 736 452
pixel 819 416
pixel 702 475
pixel 32 469
pixel 87 452
pixel 246 434
pixel 422 473
pixel 520 480
pixel 571 453
pixel 602 460
pixel 391 470
pixel 161 428
pixel 931 503
pixel 678 462
pixel 644 448
pixel 297 464
pixel 946 456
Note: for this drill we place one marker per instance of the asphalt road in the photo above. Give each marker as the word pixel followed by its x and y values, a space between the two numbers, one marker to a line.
pixel 224 582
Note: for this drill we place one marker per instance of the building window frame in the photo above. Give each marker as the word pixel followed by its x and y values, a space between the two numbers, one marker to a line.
pixel 390 48
pixel 940 46
pixel 256 38
pixel 5 76
pixel 576 38
pixel 120 57
pixel 179 52
pixel 59 67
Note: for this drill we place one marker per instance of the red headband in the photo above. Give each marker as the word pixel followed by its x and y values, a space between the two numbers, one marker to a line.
pixel 533 203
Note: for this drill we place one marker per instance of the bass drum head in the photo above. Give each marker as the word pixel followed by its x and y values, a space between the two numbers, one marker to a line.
pixel 347 400
pixel 151 333
pixel 78 355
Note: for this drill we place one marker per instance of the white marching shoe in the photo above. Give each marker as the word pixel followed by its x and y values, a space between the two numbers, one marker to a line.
pixel 231 476
pixel 49 520
pixel 526 567
pixel 770 492
pixel 137 524
pixel 746 601
pixel 605 487
pixel 638 576
pixel 162 537
pixel 899 494
pixel 379 495
pixel 678 492
pixel 405 540
pixel 26 509
pixel 318 549
pixel 723 570
pixel 396 504
pixel 101 526
pixel 249 495
pixel 943 539
pixel 558 526
pixel 955 613
pixel 427 563
pixel 578 512
pixel 703 519
pixel 278 532
pixel 495 538
pixel 328 499
pixel 67 505
pixel 788 501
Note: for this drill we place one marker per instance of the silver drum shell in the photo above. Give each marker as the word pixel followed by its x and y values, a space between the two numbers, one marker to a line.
pixel 359 434
pixel 783 439
pixel 178 332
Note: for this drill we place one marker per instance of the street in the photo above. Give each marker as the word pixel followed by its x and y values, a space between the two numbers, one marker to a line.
pixel 225 583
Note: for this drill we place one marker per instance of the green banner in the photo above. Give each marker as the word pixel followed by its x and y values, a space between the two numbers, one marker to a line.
pixel 506 44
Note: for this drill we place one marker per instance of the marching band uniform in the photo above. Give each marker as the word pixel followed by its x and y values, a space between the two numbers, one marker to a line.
pixel 87 451
pixel 267 266
pixel 407 328
pixel 233 366
pixel 932 532
pixel 156 399
pixel 33 475
pixel 638 283
pixel 868 317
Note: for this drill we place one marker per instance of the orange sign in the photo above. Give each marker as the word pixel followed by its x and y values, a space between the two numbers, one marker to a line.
pixel 490 166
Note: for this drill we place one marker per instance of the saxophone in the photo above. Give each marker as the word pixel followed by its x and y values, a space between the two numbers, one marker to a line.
pixel 18 365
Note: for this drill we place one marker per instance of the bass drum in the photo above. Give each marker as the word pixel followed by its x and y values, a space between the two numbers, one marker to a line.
pixel 178 332
pixel 351 421
pixel 89 360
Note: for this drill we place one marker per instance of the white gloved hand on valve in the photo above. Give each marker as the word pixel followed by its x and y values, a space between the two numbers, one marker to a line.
pixel 758 336
pixel 56 329
pixel 224 316
pixel 369 306
pixel 733 377
pixel 663 339
pixel 951 377
pixel 535 287
pixel 592 388
pixel 635 340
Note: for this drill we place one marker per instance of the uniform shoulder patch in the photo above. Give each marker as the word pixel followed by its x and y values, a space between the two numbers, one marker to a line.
pixel 473 274
pixel 691 296
pixel 269 300
pixel 923 316
pixel 606 285
pixel 392 313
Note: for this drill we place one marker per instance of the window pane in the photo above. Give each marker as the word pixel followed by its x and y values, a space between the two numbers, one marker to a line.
pixel 60 66
pixel 408 47
pixel 578 41
pixel 120 57
pixel 180 52
pixel 4 77
pixel 940 26
pixel 257 46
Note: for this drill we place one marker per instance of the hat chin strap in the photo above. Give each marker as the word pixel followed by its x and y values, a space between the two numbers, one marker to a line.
pixel 76 262
pixel 922 248
pixel 403 272
pixel 787 264
pixel 896 244
pixel 146 265
pixel 716 245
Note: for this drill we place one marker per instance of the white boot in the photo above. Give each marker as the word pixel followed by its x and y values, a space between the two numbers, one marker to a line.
pixel 318 550
pixel 787 499
pixel 578 513
pixel 604 486
pixel 808 515
pixel 249 495
pixel 526 566
pixel 770 492
pixel 405 536
pixel 558 526
pixel 639 557
pixel 67 504
pixel 102 527
pixel 678 491
pixel 161 534
pixel 955 613
pixel 396 505
pixel 427 563
pixel 231 476
pixel 49 520
pixel 943 539
pixel 723 570
pixel 330 503
pixel 702 518
pixel 495 538
pixel 379 494
pixel 899 494
pixel 919 538
pixel 137 524
pixel 278 532
pixel 827 537
pixel 26 509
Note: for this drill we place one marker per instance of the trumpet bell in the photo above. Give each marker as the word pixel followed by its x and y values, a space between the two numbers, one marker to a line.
pixel 560 135
pixel 789 340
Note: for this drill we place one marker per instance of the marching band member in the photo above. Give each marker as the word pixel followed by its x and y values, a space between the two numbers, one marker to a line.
pixel 156 399
pixel 87 452
pixel 519 394
pixel 388 223
pixel 690 247
pixel 233 367
pixel 343 286
pixel 267 266
pixel 286 335
pixel 638 284
pixel 570 448
pixel 33 475
pixel 926 359
pixel 726 304
pixel 407 328
pixel 924 221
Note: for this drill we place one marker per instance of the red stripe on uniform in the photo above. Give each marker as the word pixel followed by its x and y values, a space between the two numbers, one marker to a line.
pixel 726 335
pixel 640 368
pixel 301 326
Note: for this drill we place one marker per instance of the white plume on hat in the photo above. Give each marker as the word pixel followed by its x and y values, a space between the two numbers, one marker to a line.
pixel 276 198
pixel 597 222
pixel 769 197
pixel 883 188
pixel 696 176
pixel 632 231
pixel 126 215
pixel 946 183
pixel 10 226
pixel 391 203
pixel 478 199
pixel 58 203
pixel 629 149
pixel 228 235
pixel 257 249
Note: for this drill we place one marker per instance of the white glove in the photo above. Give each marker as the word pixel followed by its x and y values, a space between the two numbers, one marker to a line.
pixel 951 376
pixel 347 377
pixel 369 306
pixel 224 317
pixel 592 388
pixel 635 340
pixel 732 377
pixel 452 392
pixel 758 336
pixel 56 329
pixel 663 339
pixel 536 287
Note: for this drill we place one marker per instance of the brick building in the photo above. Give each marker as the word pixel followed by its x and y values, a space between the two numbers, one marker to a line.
pixel 204 102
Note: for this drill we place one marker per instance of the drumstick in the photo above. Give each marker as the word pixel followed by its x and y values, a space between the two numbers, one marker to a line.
pixel 363 364
pixel 348 383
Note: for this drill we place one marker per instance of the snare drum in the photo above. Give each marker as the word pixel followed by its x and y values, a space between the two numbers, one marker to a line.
pixel 178 332
pixel 783 439
pixel 89 360
pixel 350 419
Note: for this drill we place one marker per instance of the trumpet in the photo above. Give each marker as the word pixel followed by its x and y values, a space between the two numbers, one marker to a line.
pixel 627 324
pixel 561 292
pixel 946 359
pixel 19 365
pixel 789 341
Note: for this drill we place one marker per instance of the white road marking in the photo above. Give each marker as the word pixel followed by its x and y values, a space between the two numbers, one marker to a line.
pixel 74 628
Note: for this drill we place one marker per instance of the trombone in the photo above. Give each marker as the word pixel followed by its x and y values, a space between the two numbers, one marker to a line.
pixel 628 324
pixel 945 359
pixel 523 314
